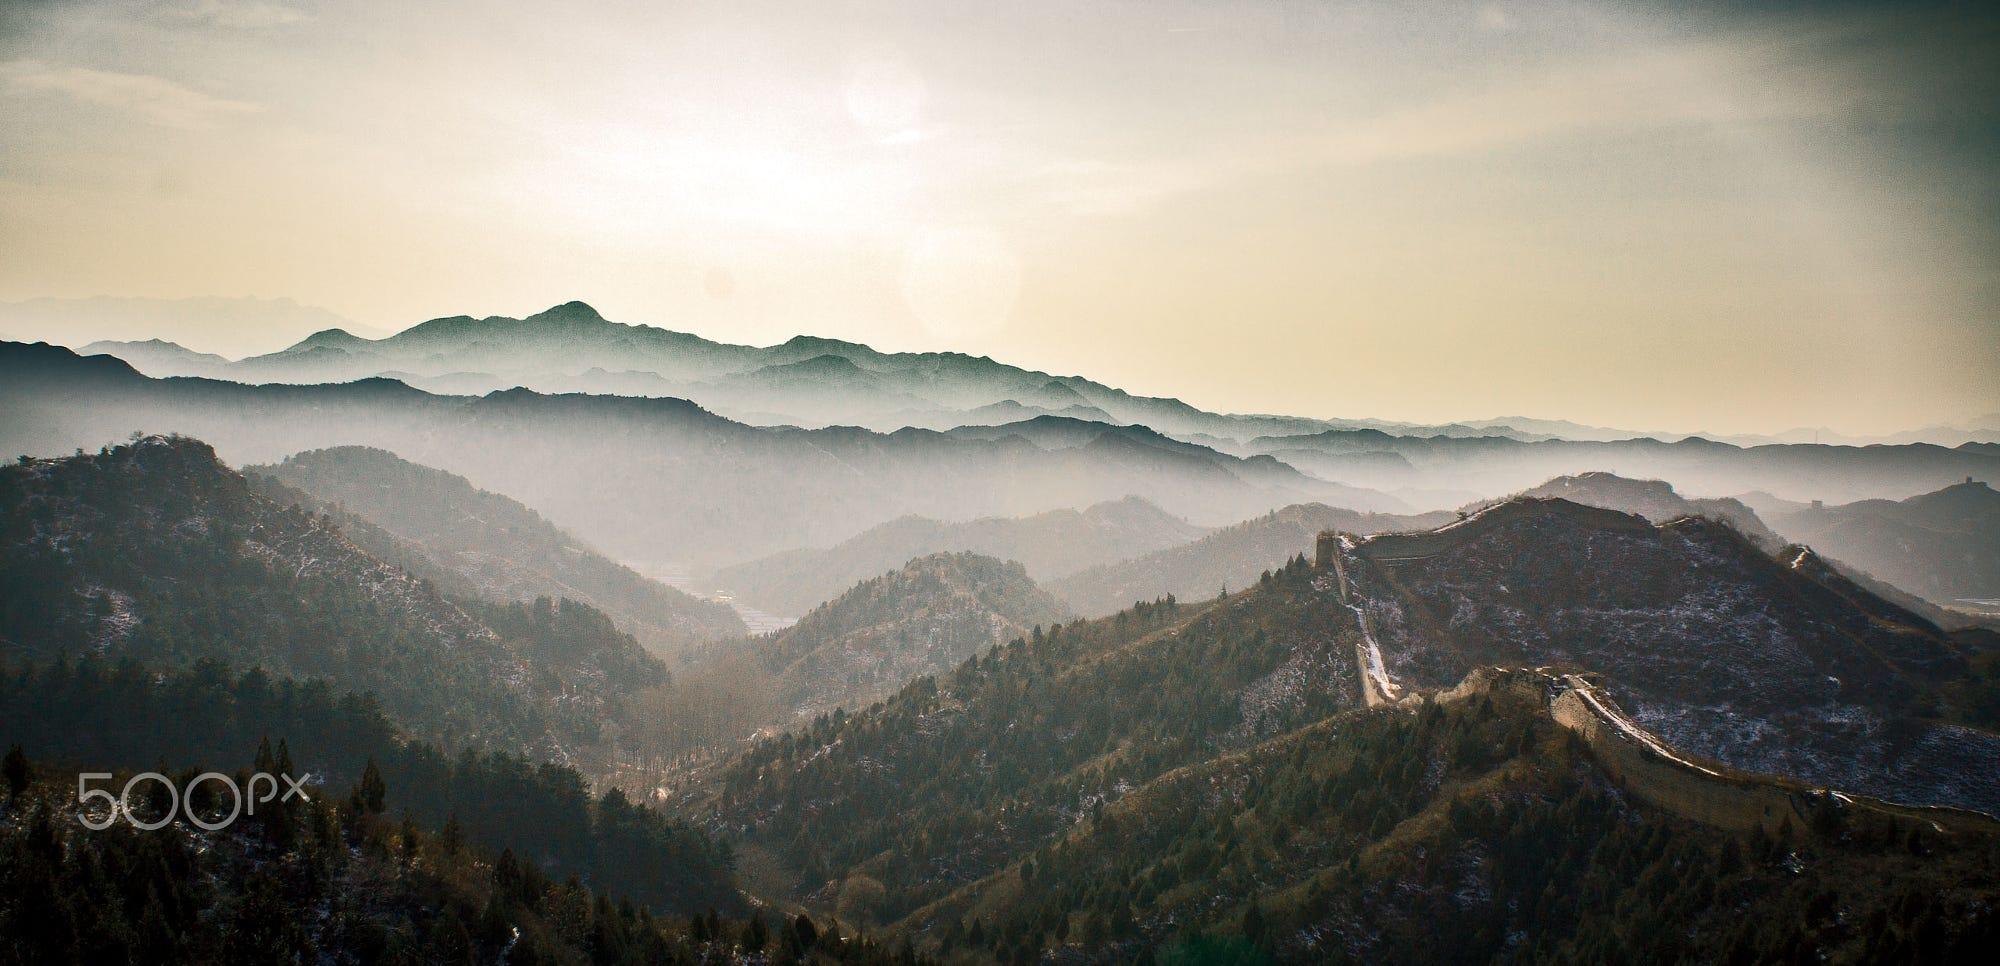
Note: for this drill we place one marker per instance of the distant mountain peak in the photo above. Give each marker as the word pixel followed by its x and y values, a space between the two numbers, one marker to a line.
pixel 23 360
pixel 335 338
pixel 821 343
pixel 827 363
pixel 921 618
pixel 569 313
pixel 159 356
pixel 1656 500
pixel 1972 495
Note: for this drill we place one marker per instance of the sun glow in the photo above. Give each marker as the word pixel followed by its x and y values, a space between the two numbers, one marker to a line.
pixel 1598 188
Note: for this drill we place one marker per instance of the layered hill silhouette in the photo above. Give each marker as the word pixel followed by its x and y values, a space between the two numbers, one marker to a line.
pixel 1496 463
pixel 1050 545
pixel 231 325
pixel 808 380
pixel 482 544
pixel 1943 546
pixel 649 479
pixel 158 357
pixel 1775 664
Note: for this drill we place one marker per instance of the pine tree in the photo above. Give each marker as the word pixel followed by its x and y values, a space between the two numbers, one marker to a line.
pixel 372 788
pixel 17 772
pixel 410 839
pixel 1253 923
pixel 452 838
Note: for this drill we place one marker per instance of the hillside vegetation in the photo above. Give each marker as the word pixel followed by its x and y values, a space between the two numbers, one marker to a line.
pixel 489 545
pixel 154 551
pixel 921 618
pixel 1777 664
pixel 1367 837
pixel 341 878
pixel 1001 755
pixel 1231 799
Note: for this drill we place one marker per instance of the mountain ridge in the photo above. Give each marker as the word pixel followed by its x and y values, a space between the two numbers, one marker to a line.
pixel 1775 664
pixel 498 548
pixel 156 551
pixel 766 489
pixel 1943 546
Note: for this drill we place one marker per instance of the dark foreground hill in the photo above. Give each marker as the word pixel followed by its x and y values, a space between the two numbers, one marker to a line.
pixel 1002 755
pixel 90 715
pixel 492 547
pixel 1478 828
pixel 155 552
pixel 1777 664
pixel 1203 781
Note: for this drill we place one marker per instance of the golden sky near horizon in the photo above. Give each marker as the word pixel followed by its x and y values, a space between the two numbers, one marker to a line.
pixel 1607 212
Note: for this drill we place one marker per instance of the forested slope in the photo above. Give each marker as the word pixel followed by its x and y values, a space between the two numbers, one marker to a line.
pixel 492 545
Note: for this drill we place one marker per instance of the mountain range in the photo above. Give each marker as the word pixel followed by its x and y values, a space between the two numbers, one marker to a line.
pixel 235 326
pixel 1407 734
pixel 1489 465
pixel 600 466
pixel 773 490
pixel 1656 500
pixel 807 380
pixel 1943 546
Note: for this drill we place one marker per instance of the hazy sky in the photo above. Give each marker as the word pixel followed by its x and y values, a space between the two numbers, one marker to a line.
pixel 1607 212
